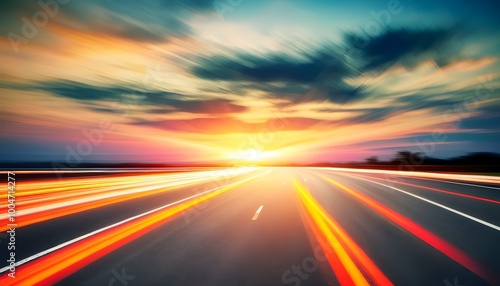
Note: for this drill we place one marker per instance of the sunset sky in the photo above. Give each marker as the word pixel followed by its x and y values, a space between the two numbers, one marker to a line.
pixel 280 81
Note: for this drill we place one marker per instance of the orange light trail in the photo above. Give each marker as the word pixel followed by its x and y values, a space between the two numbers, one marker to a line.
pixel 430 238
pixel 52 201
pixel 348 257
pixel 57 265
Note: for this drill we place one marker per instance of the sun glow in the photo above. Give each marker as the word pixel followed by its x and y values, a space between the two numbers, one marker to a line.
pixel 254 155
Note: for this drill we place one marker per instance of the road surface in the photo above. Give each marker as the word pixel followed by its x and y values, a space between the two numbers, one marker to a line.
pixel 253 226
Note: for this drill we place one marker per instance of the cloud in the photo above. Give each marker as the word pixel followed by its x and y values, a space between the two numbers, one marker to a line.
pixel 81 91
pixel 157 100
pixel 152 22
pixel 325 69
pixel 373 115
pixel 228 125
pixel 323 72
pixel 270 68
pixel 403 46
pixel 212 106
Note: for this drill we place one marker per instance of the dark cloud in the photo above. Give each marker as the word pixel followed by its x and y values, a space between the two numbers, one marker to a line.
pixel 270 68
pixel 336 90
pixel 406 47
pixel 81 91
pixel 425 100
pixel 12 12
pixel 213 106
pixel 158 99
pixel 322 73
pixel 286 76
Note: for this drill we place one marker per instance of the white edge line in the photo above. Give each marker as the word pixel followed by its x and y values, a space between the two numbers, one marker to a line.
pixel 458 183
pixel 495 227
pixel 460 177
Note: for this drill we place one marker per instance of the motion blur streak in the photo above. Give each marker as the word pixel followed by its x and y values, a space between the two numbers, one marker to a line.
pixel 435 189
pixel 333 239
pixel 462 214
pixel 461 177
pixel 49 200
pixel 59 264
pixel 43 187
pixel 451 251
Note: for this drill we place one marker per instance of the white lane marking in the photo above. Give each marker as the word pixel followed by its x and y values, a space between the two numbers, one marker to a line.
pixel 256 215
pixel 495 227
pixel 451 182
pixel 460 177
pixel 52 249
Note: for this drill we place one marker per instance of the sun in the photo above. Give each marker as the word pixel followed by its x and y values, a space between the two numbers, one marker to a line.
pixel 254 155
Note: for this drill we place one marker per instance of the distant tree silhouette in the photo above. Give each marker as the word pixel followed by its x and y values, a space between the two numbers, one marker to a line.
pixel 406 157
pixel 373 160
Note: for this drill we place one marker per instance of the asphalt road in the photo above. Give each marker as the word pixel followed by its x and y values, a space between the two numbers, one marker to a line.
pixel 255 226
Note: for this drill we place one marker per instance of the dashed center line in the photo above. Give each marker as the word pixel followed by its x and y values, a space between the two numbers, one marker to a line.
pixel 256 215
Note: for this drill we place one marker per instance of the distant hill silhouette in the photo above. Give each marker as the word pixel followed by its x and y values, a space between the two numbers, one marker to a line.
pixel 417 158
pixel 480 158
